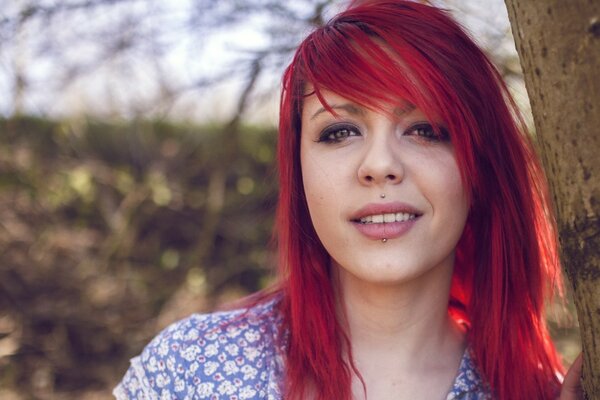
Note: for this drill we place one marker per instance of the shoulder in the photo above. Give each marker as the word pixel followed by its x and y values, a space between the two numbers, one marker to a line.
pixel 230 354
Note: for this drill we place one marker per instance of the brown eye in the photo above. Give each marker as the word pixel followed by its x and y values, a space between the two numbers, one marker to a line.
pixel 338 132
pixel 427 132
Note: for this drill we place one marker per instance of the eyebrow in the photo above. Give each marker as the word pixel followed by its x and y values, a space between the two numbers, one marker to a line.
pixel 407 108
pixel 348 107
pixel 355 110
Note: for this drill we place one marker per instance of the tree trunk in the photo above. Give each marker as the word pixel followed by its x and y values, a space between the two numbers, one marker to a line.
pixel 559 45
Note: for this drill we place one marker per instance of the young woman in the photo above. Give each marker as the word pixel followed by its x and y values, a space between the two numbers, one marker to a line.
pixel 416 243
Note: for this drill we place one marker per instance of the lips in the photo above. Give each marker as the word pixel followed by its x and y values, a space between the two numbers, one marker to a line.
pixel 374 209
pixel 385 220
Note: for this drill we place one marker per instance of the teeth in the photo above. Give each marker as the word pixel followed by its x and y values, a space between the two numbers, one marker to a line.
pixel 387 218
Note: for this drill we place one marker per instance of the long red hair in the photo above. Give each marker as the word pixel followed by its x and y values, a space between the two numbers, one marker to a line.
pixel 378 52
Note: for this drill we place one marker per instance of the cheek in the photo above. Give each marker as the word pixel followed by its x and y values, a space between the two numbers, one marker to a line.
pixel 315 181
pixel 456 187
pixel 453 190
pixel 324 190
pixel 316 192
pixel 320 177
pixel 450 195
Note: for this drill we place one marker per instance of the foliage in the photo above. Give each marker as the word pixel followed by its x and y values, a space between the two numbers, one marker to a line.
pixel 104 240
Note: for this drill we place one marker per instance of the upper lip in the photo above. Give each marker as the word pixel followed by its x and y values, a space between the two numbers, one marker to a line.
pixel 384 208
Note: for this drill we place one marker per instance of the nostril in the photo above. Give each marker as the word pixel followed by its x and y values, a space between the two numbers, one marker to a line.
pixel 391 177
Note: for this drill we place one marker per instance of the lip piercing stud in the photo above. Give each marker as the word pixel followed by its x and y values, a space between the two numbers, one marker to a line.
pixel 382 195
pixel 384 240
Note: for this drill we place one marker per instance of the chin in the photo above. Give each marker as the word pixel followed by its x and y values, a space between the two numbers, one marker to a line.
pixel 389 272
pixel 384 273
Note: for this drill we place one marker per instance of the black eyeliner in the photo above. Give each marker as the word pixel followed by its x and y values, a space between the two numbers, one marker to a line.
pixel 340 126
pixel 442 134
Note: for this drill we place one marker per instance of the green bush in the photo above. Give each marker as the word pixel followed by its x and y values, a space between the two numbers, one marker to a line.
pixel 109 231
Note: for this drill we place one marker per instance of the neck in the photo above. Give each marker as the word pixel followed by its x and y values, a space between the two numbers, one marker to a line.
pixel 408 322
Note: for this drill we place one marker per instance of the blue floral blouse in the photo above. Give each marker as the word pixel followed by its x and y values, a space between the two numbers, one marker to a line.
pixel 233 355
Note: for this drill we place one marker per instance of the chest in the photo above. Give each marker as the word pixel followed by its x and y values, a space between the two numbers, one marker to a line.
pixel 385 385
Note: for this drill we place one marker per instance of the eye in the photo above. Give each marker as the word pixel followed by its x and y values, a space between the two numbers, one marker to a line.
pixel 426 131
pixel 337 133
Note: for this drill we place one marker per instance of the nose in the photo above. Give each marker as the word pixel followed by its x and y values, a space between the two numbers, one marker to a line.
pixel 381 164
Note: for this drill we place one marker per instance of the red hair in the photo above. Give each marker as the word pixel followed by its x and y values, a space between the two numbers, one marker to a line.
pixel 379 52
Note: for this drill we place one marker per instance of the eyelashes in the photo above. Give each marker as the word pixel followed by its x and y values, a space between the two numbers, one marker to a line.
pixel 337 133
pixel 428 132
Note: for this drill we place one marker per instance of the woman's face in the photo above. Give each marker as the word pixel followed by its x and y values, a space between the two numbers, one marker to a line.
pixel 384 193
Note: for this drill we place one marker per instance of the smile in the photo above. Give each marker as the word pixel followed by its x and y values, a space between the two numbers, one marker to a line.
pixel 386 218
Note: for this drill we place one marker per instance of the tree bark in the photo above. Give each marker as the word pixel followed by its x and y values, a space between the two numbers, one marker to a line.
pixel 559 45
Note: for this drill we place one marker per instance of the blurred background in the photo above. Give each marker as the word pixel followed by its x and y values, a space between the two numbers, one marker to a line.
pixel 136 172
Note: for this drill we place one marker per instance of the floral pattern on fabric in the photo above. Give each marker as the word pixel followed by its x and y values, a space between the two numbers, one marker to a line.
pixel 468 384
pixel 233 355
